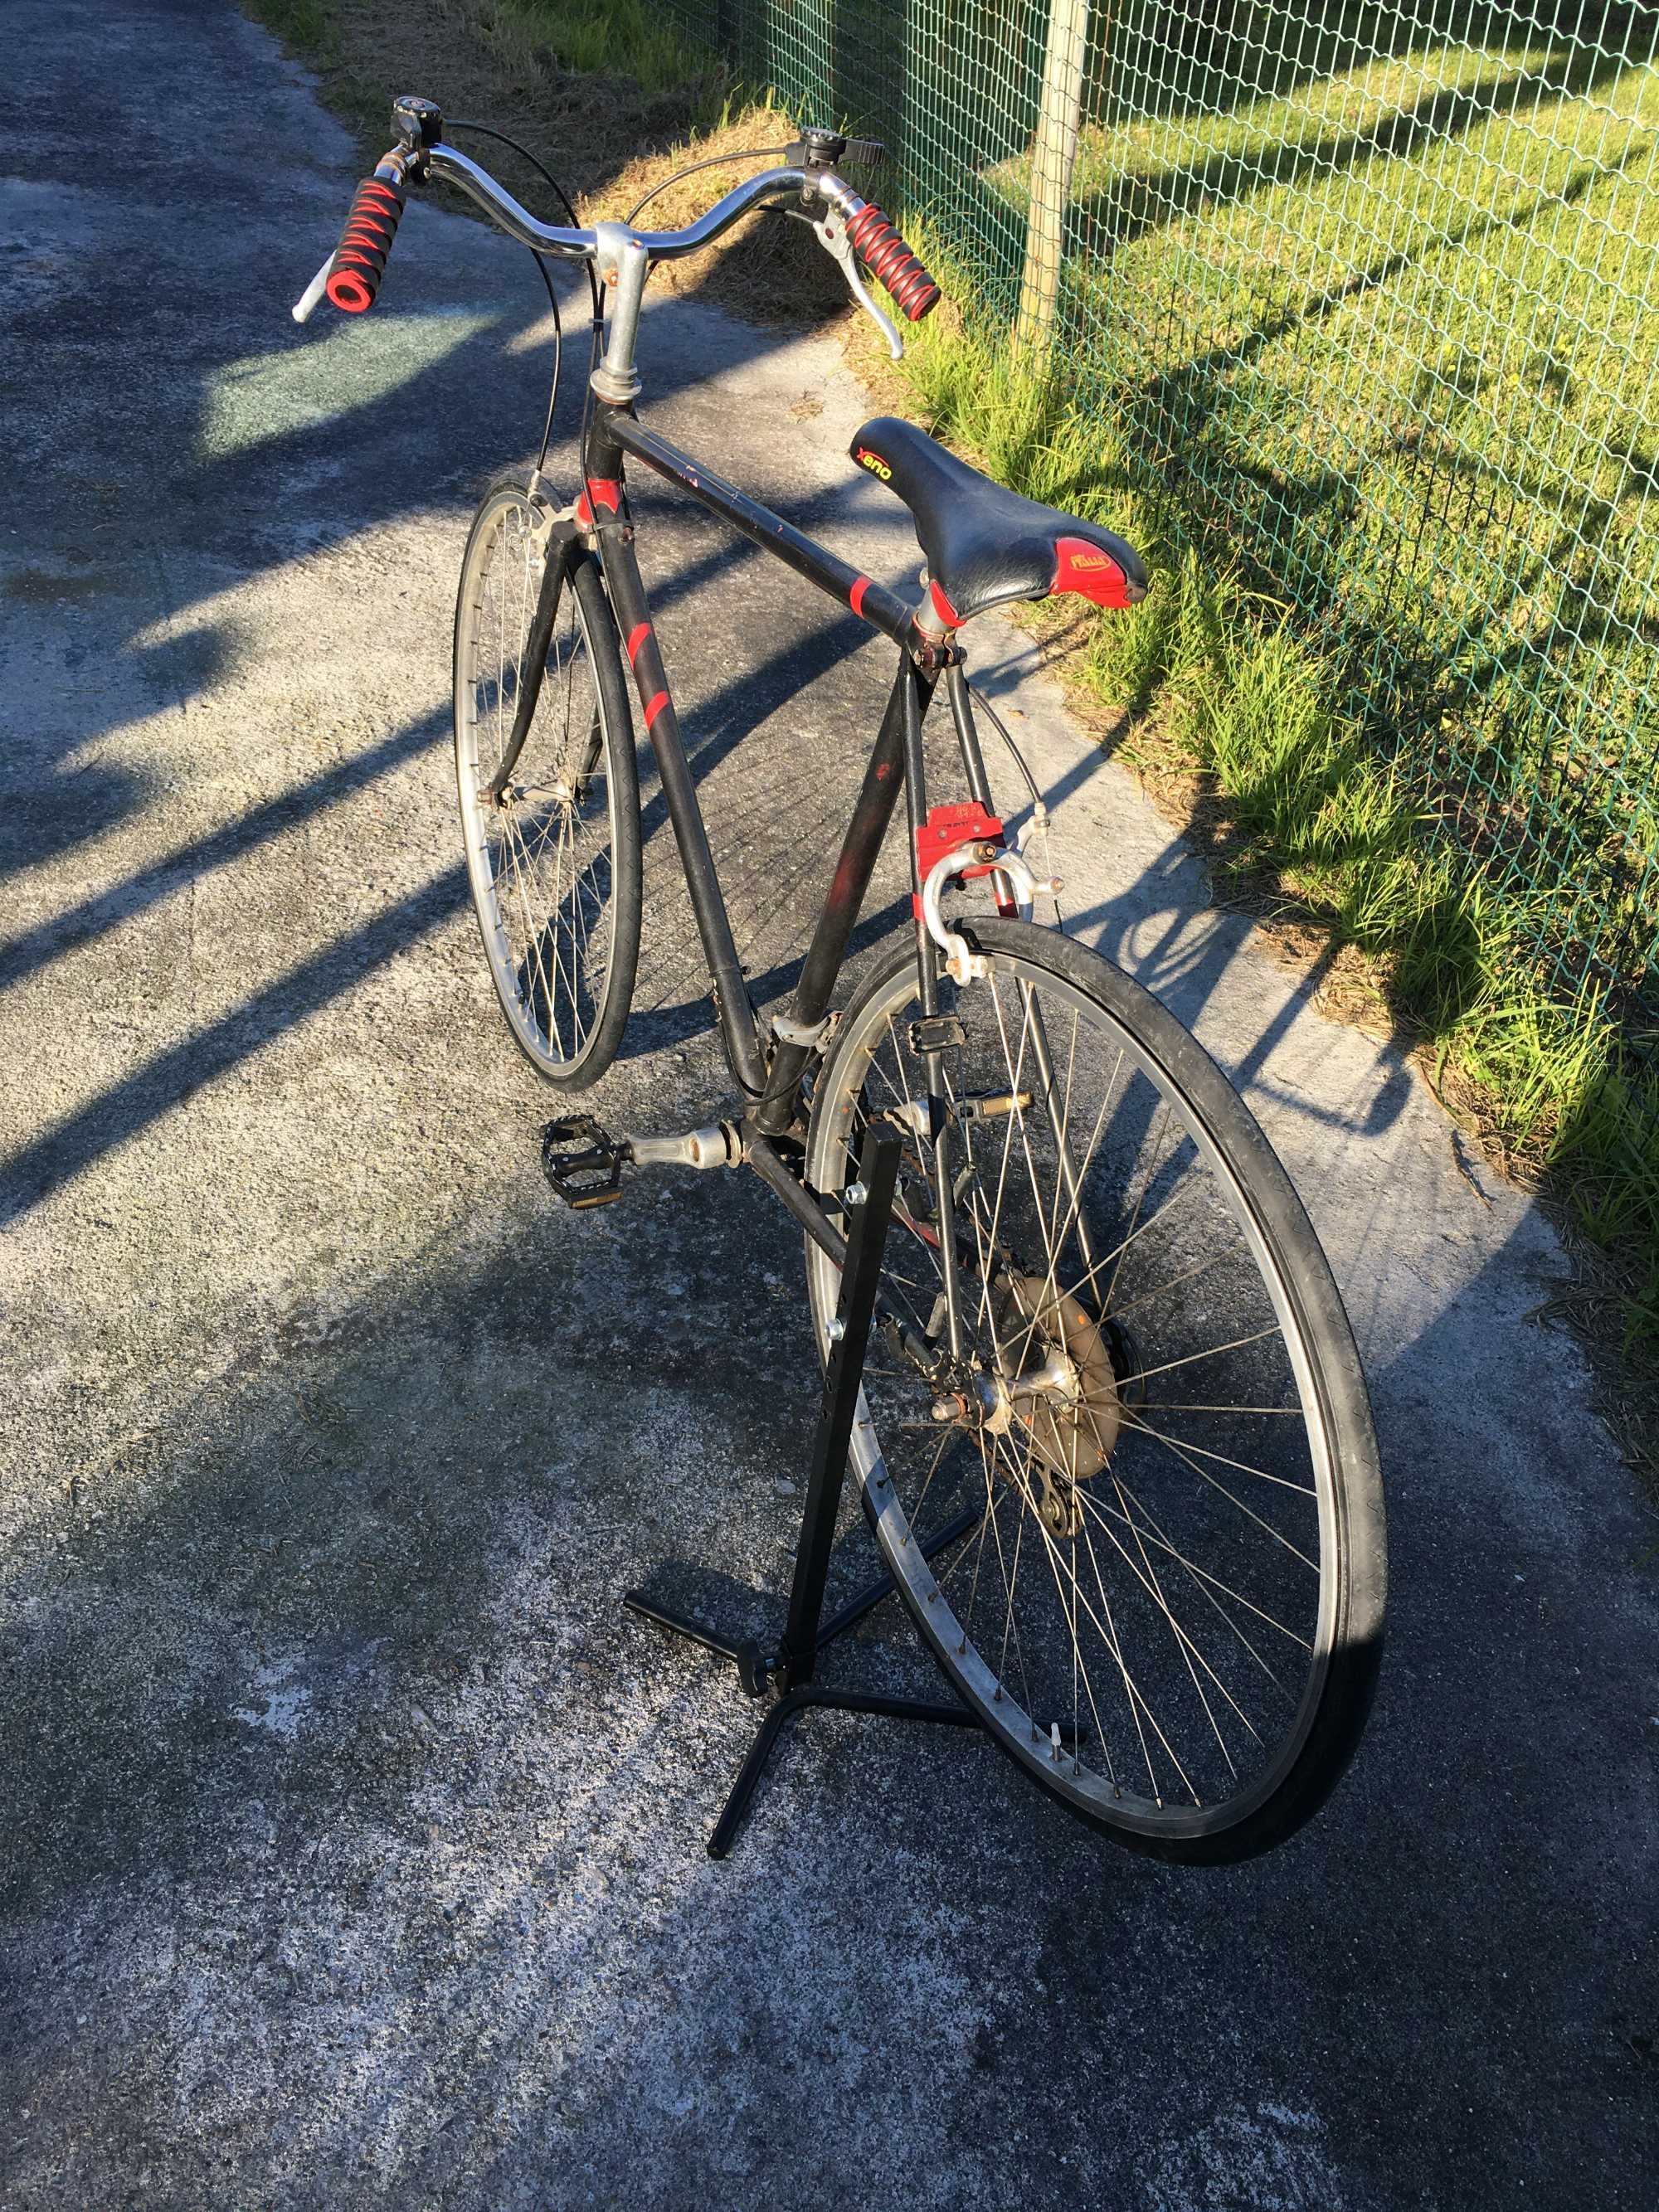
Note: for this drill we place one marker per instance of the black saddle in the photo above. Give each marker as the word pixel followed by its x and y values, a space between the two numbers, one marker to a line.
pixel 985 546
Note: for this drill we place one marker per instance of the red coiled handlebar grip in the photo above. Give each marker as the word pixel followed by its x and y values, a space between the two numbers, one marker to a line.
pixel 887 257
pixel 377 206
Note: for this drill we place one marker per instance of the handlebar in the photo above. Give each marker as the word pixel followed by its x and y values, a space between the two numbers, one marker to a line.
pixel 891 262
pixel 377 208
pixel 499 204
pixel 351 276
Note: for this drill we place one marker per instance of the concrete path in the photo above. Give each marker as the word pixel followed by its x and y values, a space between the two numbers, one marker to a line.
pixel 351 1844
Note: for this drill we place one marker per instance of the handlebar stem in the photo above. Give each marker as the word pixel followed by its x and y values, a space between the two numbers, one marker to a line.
pixel 623 263
pixel 622 256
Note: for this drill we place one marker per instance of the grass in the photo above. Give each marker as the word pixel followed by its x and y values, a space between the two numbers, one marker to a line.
pixel 587 85
pixel 616 38
pixel 1374 293
pixel 613 37
pixel 1291 797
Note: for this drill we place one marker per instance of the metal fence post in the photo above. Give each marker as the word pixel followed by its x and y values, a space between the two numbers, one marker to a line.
pixel 1054 156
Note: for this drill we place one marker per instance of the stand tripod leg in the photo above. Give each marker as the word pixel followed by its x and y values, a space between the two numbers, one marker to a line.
pixel 745 1654
pixel 840 1701
pixel 869 1207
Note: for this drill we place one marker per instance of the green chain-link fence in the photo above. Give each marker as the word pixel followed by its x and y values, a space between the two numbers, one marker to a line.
pixel 1374 292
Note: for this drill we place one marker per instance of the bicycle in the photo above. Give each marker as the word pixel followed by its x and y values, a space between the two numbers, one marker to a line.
pixel 1115 1443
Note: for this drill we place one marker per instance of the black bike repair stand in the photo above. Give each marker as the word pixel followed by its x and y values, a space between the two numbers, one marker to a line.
pixel 790 1668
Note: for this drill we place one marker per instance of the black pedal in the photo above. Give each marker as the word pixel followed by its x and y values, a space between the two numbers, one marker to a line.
pixel 583 1164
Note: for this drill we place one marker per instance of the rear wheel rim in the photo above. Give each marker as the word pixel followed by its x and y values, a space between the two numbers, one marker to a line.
pixel 1120 1758
pixel 542 864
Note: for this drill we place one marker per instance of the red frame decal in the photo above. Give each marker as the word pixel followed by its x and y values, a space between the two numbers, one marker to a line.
pixel 602 491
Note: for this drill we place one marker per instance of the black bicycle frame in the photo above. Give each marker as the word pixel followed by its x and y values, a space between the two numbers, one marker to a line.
pixel 895 762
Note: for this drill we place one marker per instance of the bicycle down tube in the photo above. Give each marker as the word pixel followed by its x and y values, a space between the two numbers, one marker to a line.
pixel 772 1095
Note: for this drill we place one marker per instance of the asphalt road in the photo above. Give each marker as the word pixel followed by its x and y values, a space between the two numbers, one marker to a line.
pixel 351 1841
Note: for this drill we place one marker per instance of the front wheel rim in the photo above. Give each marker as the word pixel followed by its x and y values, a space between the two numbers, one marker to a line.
pixel 548 919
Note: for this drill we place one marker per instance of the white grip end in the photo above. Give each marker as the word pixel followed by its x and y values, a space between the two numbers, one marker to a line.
pixel 313 292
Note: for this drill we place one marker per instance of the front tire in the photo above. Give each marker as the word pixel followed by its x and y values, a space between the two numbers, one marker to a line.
pixel 555 865
pixel 1166 1601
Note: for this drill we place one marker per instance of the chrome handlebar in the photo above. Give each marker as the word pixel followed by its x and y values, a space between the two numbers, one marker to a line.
pixel 624 256
pixel 497 203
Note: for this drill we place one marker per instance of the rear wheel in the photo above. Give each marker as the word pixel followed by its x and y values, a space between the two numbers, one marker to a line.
pixel 1161 1585
pixel 554 859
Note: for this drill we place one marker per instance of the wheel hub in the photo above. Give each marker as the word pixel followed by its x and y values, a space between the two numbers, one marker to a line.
pixel 1056 1387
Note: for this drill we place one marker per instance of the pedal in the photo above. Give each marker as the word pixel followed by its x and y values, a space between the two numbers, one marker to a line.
pixel 582 1162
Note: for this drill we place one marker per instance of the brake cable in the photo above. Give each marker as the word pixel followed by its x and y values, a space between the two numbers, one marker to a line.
pixel 715 161
pixel 487 130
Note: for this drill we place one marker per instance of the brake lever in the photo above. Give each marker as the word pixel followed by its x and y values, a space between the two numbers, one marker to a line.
pixel 832 237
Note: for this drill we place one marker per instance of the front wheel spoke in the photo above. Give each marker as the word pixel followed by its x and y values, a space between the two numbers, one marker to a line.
pixel 532 949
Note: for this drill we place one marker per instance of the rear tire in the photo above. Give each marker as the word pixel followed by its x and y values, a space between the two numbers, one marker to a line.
pixel 555 867
pixel 1166 1602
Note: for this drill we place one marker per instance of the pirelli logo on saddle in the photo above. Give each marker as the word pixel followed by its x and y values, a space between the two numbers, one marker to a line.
pixel 873 462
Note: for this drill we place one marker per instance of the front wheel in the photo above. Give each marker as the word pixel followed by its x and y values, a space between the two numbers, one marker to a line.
pixel 552 829
pixel 1135 1511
